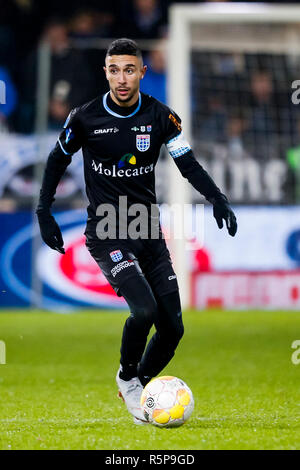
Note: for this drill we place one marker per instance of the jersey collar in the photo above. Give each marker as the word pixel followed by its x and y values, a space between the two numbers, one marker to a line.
pixel 110 111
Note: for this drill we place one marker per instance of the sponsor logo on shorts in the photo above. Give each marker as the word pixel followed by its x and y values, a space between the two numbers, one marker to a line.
pixel 116 255
pixel 119 267
pixel 172 277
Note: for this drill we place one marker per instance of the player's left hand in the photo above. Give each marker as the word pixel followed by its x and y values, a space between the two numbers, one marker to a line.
pixel 222 210
pixel 50 231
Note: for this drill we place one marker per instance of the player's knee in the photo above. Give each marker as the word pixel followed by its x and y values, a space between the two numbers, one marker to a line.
pixel 146 313
pixel 172 335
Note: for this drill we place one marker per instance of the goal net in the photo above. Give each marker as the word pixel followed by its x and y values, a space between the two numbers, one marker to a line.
pixel 233 71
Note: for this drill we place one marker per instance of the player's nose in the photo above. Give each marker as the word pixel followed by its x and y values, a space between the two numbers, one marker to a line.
pixel 122 78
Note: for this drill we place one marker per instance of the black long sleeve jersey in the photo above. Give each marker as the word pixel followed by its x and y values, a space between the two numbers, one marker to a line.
pixel 120 152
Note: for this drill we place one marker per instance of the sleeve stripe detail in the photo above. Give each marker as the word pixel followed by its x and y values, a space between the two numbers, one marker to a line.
pixel 65 152
pixel 179 153
pixel 178 146
pixel 175 138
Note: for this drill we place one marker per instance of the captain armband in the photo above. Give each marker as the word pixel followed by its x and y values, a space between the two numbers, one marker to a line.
pixel 178 146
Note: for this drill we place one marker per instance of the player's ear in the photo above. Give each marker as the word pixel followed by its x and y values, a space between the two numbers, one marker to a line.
pixel 143 71
pixel 105 70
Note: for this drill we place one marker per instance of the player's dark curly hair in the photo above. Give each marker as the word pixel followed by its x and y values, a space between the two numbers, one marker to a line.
pixel 124 46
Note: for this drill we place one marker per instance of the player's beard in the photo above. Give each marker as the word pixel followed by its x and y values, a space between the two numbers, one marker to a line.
pixel 126 99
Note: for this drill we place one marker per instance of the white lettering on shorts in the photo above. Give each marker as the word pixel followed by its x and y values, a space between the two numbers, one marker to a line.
pixel 119 267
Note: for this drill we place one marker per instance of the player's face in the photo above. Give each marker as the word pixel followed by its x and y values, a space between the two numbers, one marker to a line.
pixel 124 73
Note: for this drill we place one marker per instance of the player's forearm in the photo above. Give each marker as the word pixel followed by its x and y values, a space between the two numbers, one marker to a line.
pixel 198 177
pixel 55 167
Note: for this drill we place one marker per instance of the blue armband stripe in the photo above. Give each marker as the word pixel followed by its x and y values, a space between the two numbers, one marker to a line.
pixel 65 152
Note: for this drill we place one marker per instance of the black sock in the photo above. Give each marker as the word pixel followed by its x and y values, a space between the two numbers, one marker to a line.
pixel 128 372
pixel 144 379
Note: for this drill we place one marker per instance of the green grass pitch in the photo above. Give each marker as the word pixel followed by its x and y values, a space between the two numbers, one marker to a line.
pixel 58 391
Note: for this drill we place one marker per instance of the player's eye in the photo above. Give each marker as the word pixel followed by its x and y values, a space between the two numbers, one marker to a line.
pixel 130 71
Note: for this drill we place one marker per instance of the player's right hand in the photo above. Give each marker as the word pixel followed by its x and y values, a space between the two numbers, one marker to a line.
pixel 50 231
pixel 222 210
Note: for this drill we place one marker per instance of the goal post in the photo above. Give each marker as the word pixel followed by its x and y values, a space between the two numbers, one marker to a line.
pixel 178 192
pixel 221 28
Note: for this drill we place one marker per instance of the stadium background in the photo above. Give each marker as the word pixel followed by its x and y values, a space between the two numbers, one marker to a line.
pixel 245 131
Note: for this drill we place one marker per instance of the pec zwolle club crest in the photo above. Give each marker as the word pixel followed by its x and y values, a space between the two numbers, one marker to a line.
pixel 116 255
pixel 143 142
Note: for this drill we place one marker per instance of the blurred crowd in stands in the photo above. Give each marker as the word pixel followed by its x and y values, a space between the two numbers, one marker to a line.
pixel 246 102
pixel 242 109
pixel 76 72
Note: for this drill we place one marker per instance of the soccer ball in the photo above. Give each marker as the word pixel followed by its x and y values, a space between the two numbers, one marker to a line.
pixel 167 401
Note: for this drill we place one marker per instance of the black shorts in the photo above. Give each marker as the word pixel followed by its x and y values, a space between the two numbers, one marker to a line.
pixel 121 259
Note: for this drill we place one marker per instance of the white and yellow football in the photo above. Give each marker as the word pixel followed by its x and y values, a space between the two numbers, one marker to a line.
pixel 167 401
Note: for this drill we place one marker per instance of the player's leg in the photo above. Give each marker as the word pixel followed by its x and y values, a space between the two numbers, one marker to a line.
pixel 121 268
pixel 162 346
pixel 143 313
pixel 168 322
